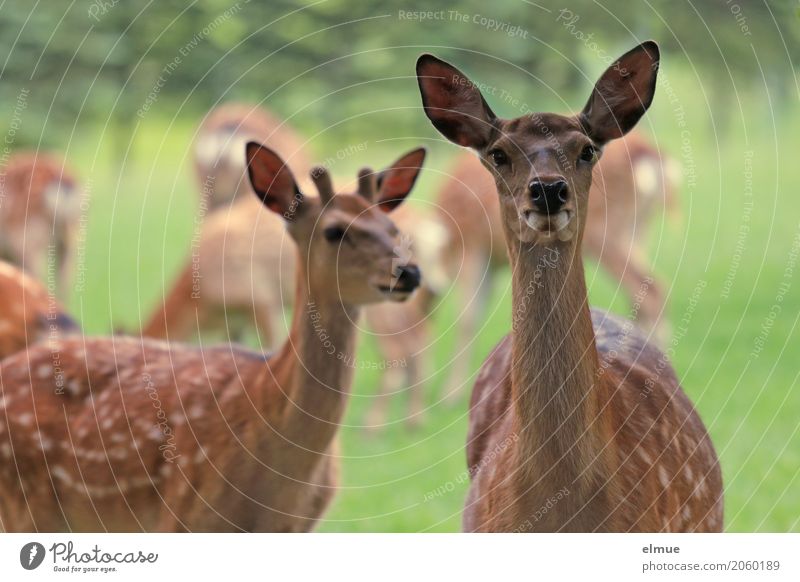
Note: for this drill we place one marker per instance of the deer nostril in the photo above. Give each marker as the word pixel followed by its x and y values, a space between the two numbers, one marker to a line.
pixel 562 191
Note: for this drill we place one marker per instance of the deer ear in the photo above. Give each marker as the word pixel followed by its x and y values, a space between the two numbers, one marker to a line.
pixel 623 94
pixel 272 180
pixel 453 103
pixel 396 181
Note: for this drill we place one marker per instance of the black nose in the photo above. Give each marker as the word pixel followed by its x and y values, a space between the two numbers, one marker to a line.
pixel 408 277
pixel 549 196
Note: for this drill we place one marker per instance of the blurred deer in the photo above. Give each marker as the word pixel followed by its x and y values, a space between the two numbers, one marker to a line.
pixel 231 282
pixel 218 163
pixel 28 313
pixel 577 423
pixel 166 437
pixel 38 215
pixel 633 181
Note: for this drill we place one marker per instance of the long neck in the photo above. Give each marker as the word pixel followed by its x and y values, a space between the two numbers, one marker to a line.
pixel 554 366
pixel 321 343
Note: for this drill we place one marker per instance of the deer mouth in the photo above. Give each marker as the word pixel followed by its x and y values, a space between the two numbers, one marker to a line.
pixel 556 225
pixel 396 292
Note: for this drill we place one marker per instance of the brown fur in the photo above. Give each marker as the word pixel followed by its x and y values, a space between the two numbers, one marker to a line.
pixel 39 209
pixel 28 314
pixel 163 437
pixel 573 427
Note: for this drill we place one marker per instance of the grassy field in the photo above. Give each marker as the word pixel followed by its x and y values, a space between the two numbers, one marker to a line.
pixel 728 260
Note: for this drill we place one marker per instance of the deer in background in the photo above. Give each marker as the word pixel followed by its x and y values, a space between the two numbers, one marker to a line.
pixel 231 282
pixel 632 181
pixel 574 411
pixel 38 216
pixel 28 313
pixel 218 164
pixel 156 436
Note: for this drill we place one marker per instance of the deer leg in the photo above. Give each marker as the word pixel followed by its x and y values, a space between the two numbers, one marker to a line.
pixel 641 287
pixel 417 365
pixel 473 288
pixel 66 262
pixel 392 380
pixel 266 318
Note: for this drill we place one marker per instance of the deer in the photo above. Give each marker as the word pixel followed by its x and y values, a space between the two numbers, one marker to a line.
pixel 632 181
pixel 229 283
pixel 38 217
pixel 157 436
pixel 576 422
pixel 29 313
pixel 217 150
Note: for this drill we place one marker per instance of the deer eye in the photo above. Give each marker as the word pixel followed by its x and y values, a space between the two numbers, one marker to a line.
pixel 334 233
pixel 499 157
pixel 588 154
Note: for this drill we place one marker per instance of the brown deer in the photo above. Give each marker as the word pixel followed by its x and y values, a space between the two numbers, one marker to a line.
pixel 577 423
pixel 38 217
pixel 632 181
pixel 156 436
pixel 219 167
pixel 28 313
pixel 230 283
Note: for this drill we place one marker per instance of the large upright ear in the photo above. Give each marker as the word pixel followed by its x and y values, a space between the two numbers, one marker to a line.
pixel 272 180
pixel 453 103
pixel 623 93
pixel 396 181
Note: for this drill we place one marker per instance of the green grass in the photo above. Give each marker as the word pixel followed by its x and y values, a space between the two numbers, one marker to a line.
pixel 141 222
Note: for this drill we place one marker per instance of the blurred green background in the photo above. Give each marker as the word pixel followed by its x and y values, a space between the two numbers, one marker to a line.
pixel 119 88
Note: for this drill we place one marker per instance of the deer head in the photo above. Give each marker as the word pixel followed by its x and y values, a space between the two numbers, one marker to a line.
pixel 542 163
pixel 348 245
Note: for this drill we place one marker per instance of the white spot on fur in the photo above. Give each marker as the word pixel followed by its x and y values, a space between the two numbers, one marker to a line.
pixel 118 438
pixel 645 457
pixel 197 411
pixel 74 387
pixel 177 418
pixel 45 371
pixel 61 474
pixel 663 477
pixel 25 419
pixel 156 434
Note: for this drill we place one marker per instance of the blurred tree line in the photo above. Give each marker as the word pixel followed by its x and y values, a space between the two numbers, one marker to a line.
pixel 114 62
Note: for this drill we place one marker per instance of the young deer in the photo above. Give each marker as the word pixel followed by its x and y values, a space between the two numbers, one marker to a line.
pixel 38 213
pixel 231 283
pixel 28 313
pixel 155 436
pixel 573 426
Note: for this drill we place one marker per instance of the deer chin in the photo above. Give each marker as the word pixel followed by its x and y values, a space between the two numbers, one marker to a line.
pixel 549 228
pixel 394 292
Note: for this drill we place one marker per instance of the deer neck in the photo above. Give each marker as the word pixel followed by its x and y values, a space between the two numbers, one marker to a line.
pixel 321 343
pixel 554 370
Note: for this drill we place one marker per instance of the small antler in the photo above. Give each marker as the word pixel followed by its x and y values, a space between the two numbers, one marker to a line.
pixel 322 180
pixel 366 184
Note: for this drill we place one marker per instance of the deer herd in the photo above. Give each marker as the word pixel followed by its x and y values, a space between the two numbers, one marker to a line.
pixel 152 432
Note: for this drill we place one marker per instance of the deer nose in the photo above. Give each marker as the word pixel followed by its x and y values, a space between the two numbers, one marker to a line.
pixel 549 196
pixel 408 277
